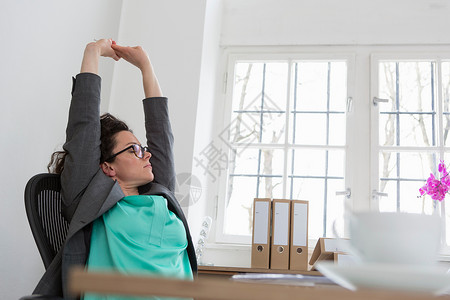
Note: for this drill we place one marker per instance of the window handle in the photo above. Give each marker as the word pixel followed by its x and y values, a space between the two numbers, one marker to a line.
pixel 377 100
pixel 347 193
pixel 377 194
pixel 349 104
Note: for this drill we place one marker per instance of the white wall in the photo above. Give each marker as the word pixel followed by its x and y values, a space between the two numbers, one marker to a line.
pixel 172 33
pixel 42 45
pixel 323 22
pixel 207 106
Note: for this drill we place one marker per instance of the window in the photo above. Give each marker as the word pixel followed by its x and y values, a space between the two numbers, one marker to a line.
pixel 286 139
pixel 413 127
pixel 359 131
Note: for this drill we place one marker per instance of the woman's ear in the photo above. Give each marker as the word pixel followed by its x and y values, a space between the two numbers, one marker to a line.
pixel 108 169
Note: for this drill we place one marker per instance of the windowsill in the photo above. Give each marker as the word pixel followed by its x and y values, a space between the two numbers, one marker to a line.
pixel 229 255
pixel 228 246
pixel 238 256
pixel 226 255
pixel 444 258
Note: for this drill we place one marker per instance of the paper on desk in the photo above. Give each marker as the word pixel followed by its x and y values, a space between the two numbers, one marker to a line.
pixel 288 279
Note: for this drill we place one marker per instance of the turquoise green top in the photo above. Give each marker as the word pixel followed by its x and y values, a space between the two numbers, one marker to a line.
pixel 139 235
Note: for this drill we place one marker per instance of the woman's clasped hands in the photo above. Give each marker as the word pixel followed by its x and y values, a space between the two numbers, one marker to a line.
pixel 134 55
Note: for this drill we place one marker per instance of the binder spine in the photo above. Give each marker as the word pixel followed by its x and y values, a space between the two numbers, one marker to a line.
pixel 261 233
pixel 279 256
pixel 299 235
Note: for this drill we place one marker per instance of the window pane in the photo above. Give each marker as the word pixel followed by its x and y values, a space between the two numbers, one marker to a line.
pixel 408 118
pixel 255 173
pixel 312 190
pixel 275 86
pixel 307 162
pixel 304 184
pixel 273 128
pixel 259 103
pixel 410 200
pixel 335 206
pixel 336 163
pixel 445 67
pixel 401 177
pixel 407 130
pixel 310 129
pixel 319 129
pixel 407 165
pixel 312 86
pixel 257 127
pixel 245 162
pixel 386 84
pixel 272 162
pixel 387 204
pixel 251 161
pixel 415 86
pixel 338 86
pixel 238 211
pixel 416 130
pixel 243 128
pixel 404 196
pixel 270 187
pixel 319 102
pixel 248 85
pixel 337 129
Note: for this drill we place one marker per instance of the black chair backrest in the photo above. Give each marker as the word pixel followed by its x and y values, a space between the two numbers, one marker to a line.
pixel 43 207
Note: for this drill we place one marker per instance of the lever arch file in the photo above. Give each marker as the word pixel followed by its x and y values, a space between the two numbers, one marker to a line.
pixel 279 255
pixel 261 233
pixel 299 235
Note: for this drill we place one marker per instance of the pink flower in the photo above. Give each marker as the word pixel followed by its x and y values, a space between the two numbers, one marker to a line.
pixel 437 189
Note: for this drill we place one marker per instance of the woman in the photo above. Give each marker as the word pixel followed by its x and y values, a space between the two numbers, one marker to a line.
pixel 117 194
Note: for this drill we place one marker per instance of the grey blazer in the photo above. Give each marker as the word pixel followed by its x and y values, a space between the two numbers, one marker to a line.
pixel 88 193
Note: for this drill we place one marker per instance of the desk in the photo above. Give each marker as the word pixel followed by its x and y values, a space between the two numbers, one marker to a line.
pixel 219 289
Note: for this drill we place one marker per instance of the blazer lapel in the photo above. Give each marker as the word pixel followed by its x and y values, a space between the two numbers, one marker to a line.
pixel 101 195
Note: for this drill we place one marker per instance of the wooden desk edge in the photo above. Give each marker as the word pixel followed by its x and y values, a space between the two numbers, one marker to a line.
pixel 81 281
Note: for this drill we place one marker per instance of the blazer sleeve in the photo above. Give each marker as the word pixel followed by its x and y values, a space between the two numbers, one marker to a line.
pixel 82 140
pixel 160 140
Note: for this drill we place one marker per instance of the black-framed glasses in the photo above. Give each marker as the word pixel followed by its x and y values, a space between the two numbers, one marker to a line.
pixel 138 150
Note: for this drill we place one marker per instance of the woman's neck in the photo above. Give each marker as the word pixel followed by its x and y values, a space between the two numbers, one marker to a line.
pixel 128 190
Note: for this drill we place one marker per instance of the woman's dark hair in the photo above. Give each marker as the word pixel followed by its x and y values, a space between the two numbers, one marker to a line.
pixel 110 126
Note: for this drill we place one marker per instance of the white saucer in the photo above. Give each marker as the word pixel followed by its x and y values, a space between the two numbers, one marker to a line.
pixel 433 279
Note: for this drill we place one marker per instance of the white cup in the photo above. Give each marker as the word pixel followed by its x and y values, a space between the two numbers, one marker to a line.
pixel 395 238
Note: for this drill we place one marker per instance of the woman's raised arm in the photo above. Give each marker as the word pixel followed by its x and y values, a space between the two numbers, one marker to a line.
pixel 157 124
pixel 82 146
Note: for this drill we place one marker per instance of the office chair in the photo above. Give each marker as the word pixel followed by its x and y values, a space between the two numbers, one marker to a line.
pixel 43 207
